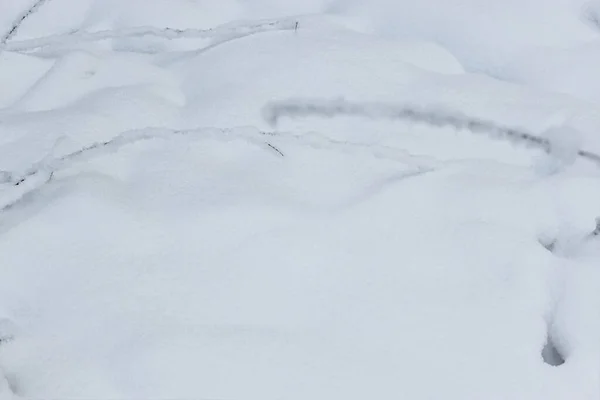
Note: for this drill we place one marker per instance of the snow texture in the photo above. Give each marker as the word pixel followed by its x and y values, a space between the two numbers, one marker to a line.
pixel 284 199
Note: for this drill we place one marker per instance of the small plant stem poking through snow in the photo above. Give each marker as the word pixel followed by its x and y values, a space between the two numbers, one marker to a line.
pixel 275 149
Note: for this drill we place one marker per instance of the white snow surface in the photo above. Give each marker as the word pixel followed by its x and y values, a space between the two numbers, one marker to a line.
pixel 162 238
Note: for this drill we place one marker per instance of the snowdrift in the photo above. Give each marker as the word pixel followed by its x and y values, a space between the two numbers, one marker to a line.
pixel 159 238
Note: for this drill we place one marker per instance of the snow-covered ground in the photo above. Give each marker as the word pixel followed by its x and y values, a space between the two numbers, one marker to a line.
pixel 286 199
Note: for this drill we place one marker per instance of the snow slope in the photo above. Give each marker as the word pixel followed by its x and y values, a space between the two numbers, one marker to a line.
pixel 162 237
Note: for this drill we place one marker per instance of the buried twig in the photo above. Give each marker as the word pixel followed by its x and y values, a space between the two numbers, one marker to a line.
pixel 20 183
pixel 121 140
pixel 19 20
pixel 224 32
pixel 434 116
pixel 42 172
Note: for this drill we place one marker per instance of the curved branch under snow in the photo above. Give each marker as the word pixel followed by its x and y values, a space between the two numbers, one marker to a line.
pixel 298 108
pixel 19 20
pixel 223 32
pixel 21 183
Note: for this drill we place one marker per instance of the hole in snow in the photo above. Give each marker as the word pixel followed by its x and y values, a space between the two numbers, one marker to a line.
pixel 548 244
pixel 551 355
pixel 548 240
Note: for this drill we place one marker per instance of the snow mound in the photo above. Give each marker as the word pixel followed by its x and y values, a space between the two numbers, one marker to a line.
pixel 327 61
pixel 571 71
pixel 79 74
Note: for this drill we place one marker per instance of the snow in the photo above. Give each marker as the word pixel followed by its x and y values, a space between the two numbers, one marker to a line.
pixel 482 35
pixel 545 68
pixel 210 201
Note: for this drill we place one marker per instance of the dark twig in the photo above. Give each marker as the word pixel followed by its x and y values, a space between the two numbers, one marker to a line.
pixel 275 149
pixel 20 19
